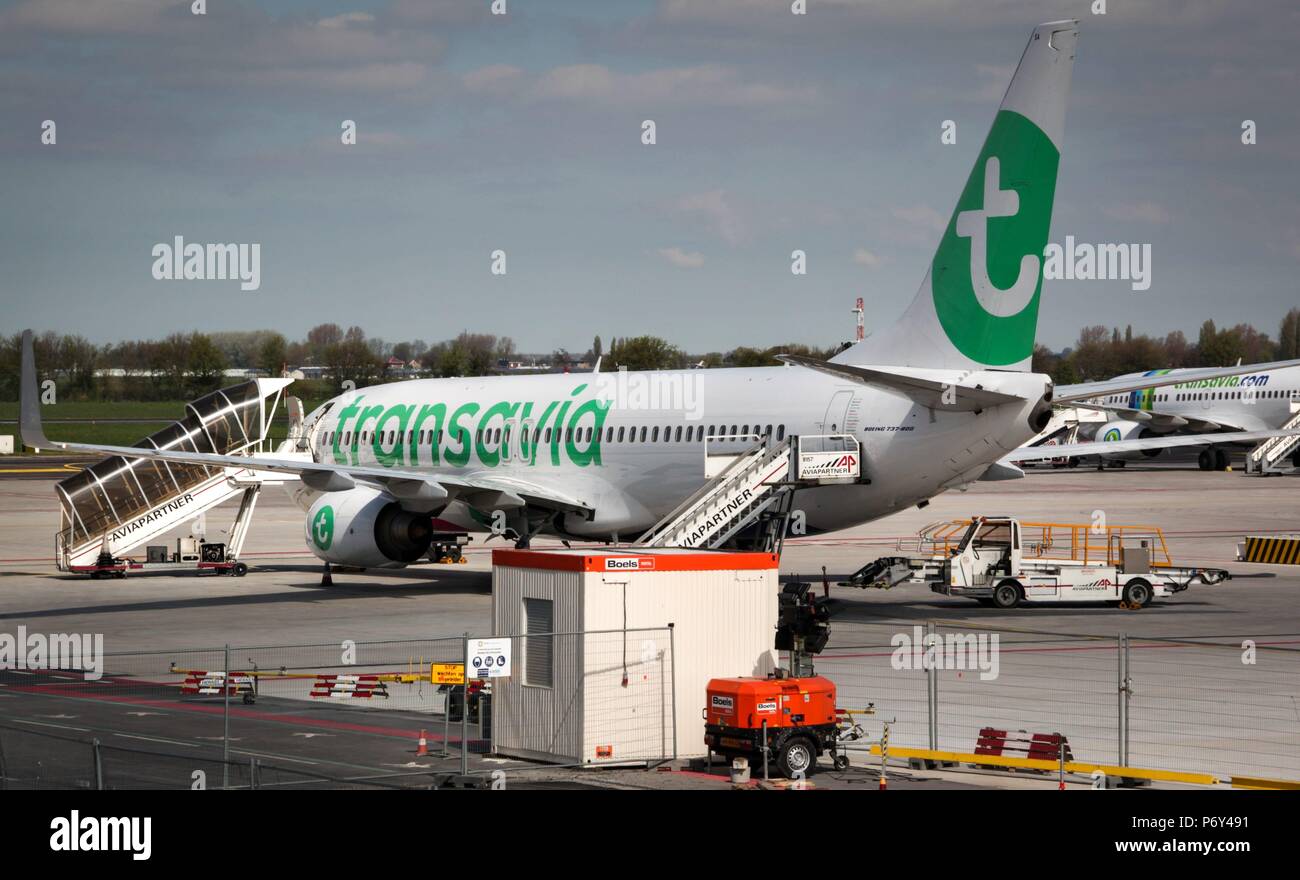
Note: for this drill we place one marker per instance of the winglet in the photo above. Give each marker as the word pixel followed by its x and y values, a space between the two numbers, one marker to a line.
pixel 30 408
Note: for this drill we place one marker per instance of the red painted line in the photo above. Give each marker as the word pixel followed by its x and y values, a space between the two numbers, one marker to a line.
pixel 1002 650
pixel 300 720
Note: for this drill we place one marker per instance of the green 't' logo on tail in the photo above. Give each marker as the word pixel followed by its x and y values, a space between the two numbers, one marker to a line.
pixel 987 274
pixel 322 528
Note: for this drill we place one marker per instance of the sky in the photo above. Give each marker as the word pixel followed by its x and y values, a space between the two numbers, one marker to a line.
pixel 523 133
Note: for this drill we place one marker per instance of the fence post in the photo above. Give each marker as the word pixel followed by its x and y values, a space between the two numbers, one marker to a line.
pixel 446 717
pixel 99 764
pixel 225 732
pixel 672 650
pixel 464 709
pixel 1128 698
pixel 252 774
pixel 1060 759
pixel 932 692
pixel 4 773
pixel 1122 691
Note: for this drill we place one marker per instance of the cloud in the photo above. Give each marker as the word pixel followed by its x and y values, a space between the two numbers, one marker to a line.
pixel 346 19
pixel 921 215
pixel 864 257
pixel 682 259
pixel 76 16
pixel 758 13
pixel 704 84
pixel 717 212
pixel 994 79
pixel 161 42
pixel 493 79
pixel 363 77
pixel 1141 212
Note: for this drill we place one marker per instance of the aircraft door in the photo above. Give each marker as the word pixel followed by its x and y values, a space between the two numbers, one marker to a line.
pixel 833 422
pixel 524 442
pixel 509 440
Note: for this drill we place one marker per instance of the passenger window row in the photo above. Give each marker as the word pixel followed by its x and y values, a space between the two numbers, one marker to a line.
pixel 619 434
pixel 1236 394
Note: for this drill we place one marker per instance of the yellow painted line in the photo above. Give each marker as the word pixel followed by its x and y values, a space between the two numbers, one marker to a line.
pixel 1037 764
pixel 49 470
pixel 1256 782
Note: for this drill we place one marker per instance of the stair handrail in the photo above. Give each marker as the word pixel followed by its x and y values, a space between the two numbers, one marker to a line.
pixel 742 462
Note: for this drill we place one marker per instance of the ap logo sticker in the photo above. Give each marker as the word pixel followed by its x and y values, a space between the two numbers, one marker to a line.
pixel 322 528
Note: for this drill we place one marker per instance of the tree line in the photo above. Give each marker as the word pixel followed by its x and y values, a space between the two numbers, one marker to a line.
pixel 1103 352
pixel 188 365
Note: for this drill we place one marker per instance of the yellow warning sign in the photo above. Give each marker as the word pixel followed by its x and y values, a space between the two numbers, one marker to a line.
pixel 447 673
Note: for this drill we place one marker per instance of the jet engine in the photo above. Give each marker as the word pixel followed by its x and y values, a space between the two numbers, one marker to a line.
pixel 1123 429
pixel 366 528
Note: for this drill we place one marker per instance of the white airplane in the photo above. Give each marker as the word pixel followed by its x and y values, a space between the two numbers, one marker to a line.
pixel 941 399
pixel 1263 399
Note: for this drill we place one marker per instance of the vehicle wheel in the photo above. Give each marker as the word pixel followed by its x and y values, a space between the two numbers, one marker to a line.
pixel 1205 460
pixel 1221 460
pixel 796 757
pixel 1007 595
pixel 1138 593
pixel 841 762
pixel 239 569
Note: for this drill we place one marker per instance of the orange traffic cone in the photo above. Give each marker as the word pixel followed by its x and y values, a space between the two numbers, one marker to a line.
pixel 883 786
pixel 422 747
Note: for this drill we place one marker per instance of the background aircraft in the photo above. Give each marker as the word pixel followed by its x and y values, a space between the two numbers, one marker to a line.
pixel 1264 399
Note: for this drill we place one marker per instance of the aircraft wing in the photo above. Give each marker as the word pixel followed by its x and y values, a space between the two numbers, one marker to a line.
pixel 1160 420
pixel 1063 450
pixel 1086 390
pixel 484 490
pixel 927 392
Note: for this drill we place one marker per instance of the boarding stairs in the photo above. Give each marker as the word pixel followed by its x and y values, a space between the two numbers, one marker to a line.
pixel 1277 455
pixel 121 503
pixel 751 480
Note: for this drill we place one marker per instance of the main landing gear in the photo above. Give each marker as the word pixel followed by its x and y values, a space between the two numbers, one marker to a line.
pixel 1213 458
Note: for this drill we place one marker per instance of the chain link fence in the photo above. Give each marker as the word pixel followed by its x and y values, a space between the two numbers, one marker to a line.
pixel 200 718
pixel 262 716
pixel 32 760
pixel 1229 706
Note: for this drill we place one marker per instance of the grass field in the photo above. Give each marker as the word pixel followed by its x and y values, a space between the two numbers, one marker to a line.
pixel 163 410
pixel 151 415
pixel 160 410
